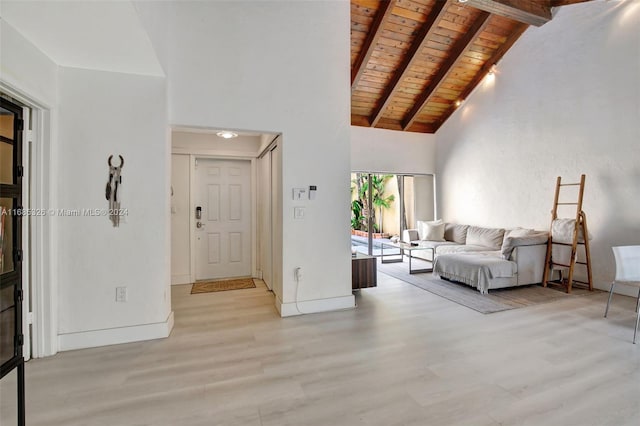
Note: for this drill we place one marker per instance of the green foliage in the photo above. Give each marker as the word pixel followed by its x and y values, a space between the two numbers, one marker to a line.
pixel 360 206
pixel 356 215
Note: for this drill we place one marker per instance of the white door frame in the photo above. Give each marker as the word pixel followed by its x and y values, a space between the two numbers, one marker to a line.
pixel 192 207
pixel 38 267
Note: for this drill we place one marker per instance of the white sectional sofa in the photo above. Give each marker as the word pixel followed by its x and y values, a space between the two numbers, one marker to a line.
pixel 484 258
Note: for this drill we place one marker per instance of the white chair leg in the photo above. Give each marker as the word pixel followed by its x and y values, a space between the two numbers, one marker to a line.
pixel 635 331
pixel 606 311
pixel 638 302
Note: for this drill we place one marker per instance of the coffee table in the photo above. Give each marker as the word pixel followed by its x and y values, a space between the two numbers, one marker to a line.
pixel 408 248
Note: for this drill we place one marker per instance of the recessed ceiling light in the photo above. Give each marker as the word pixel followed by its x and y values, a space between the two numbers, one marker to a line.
pixel 226 134
pixel 462 1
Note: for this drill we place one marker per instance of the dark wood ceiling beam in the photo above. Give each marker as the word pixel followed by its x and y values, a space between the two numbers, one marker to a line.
pixel 360 120
pixel 427 29
pixel 370 42
pixel 558 3
pixel 494 59
pixel 529 12
pixel 461 46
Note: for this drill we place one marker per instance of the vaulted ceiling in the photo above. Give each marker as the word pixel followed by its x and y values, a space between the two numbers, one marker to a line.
pixel 414 61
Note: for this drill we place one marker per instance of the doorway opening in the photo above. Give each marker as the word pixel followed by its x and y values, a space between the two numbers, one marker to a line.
pixel 12 292
pixel 383 205
pixel 39 286
pixel 225 214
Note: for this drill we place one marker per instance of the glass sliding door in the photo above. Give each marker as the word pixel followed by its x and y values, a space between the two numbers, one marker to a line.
pixel 385 204
pixel 418 200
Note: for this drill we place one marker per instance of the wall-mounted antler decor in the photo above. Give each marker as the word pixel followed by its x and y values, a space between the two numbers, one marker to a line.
pixel 112 191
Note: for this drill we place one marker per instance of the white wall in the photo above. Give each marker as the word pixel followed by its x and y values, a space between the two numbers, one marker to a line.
pixel 180 215
pixel 105 113
pixel 565 101
pixel 155 18
pixel 24 67
pixel 383 150
pixel 262 66
pixel 99 35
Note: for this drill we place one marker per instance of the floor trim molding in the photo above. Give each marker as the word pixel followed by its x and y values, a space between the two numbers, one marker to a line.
pixel 181 279
pixel 314 306
pixel 115 336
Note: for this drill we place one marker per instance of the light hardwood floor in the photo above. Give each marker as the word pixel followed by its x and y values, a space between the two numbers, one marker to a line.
pixel 403 357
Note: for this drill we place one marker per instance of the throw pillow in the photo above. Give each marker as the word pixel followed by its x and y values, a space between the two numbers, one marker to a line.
pixel 456 233
pixel 431 231
pixel 486 237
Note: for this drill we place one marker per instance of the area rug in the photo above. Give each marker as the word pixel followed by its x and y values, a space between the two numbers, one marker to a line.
pixel 496 301
pixel 222 285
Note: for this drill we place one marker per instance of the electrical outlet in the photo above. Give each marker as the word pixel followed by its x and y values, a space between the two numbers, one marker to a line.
pixel 121 294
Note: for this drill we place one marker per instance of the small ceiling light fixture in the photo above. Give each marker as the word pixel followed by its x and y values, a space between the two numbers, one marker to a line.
pixel 493 69
pixel 226 134
pixel 462 1
pixel 458 103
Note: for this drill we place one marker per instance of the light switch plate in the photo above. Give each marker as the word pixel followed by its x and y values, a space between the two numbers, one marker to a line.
pixel 298 212
pixel 299 193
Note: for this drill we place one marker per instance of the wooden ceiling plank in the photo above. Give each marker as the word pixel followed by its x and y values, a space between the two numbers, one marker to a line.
pixel 458 50
pixel 422 128
pixel 438 10
pixel 389 124
pixel 529 12
pixel 362 10
pixel 366 3
pixel 370 43
pixel 497 55
pixel 361 20
pixel 408 14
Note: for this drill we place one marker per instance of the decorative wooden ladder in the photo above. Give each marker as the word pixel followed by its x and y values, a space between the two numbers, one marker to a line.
pixel 580 238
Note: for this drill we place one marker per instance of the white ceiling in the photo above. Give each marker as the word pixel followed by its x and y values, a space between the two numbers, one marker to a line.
pixel 100 35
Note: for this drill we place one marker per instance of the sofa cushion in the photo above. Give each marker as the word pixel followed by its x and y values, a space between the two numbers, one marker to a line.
pixel 487 237
pixel 431 231
pixel 460 248
pixel 521 237
pixel 456 233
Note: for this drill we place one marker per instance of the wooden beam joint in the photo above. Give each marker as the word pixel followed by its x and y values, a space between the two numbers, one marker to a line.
pixel 529 12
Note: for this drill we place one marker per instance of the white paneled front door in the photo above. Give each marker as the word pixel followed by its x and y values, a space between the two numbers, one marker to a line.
pixel 223 232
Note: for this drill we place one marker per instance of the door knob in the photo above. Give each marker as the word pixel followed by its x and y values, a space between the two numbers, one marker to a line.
pixel 199 225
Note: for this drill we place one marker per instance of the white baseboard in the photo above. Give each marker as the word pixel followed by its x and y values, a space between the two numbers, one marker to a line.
pixel 181 279
pixel 315 306
pixel 115 336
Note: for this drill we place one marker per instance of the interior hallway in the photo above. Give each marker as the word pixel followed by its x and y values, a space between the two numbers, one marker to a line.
pixel 403 357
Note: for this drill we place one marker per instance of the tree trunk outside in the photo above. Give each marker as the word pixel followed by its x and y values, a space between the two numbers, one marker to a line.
pixel 403 217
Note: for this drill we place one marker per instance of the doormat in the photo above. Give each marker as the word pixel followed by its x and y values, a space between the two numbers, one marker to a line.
pixel 222 285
